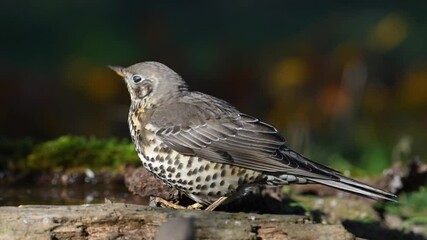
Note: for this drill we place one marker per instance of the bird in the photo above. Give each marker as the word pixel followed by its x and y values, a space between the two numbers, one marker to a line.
pixel 210 151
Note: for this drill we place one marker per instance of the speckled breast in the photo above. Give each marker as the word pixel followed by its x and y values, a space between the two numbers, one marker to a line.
pixel 202 180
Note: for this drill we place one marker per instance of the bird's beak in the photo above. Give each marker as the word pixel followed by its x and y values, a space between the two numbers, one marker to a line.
pixel 118 70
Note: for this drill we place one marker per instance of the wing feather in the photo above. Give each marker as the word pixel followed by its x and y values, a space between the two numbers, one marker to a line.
pixel 204 126
pixel 216 131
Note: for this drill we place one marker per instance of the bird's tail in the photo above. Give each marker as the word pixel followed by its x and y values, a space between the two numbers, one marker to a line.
pixel 317 173
pixel 356 187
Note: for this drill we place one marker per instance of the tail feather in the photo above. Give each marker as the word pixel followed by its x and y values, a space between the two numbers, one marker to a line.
pixel 356 187
pixel 317 173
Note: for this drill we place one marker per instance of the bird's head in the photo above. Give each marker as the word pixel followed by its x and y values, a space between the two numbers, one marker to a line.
pixel 151 82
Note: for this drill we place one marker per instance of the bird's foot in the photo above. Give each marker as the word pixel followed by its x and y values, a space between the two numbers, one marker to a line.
pixel 195 206
pixel 165 203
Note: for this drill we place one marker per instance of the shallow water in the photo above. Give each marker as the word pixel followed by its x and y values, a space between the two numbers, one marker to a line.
pixel 66 195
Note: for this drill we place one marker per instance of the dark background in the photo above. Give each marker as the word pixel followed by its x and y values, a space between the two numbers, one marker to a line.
pixel 341 80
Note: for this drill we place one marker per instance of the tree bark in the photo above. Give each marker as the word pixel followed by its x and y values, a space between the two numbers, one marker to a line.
pixel 128 221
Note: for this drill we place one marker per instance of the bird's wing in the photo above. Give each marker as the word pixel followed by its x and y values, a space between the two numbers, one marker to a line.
pixel 204 126
pixel 210 128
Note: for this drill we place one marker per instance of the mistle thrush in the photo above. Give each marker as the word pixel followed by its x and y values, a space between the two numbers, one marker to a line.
pixel 207 149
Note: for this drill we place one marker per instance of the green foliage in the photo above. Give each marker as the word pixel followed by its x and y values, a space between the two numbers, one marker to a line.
pixel 361 152
pixel 412 208
pixel 372 163
pixel 342 164
pixel 411 205
pixel 74 151
pixel 375 158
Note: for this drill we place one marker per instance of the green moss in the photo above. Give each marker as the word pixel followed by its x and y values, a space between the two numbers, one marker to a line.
pixel 300 204
pixel 74 151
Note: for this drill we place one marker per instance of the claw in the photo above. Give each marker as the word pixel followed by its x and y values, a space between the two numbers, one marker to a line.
pixel 167 203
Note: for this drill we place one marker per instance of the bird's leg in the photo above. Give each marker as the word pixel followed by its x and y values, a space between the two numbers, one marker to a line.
pixel 195 206
pixel 167 203
pixel 176 206
pixel 216 204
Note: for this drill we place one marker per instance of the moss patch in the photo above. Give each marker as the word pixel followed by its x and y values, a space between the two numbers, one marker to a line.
pixel 68 152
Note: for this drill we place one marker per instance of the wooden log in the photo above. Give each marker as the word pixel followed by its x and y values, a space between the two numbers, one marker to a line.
pixel 128 221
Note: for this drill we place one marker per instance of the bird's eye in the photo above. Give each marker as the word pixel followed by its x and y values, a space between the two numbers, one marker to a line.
pixel 137 79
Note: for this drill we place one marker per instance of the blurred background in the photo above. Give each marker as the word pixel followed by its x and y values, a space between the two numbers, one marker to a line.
pixel 346 83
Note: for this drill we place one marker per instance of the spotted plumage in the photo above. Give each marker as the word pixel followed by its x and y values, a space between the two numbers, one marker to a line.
pixel 207 149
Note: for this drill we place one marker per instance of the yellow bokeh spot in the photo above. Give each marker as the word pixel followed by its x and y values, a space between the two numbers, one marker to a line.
pixel 388 33
pixel 289 73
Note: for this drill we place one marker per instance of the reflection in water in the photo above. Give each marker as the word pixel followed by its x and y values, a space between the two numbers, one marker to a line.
pixel 69 195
